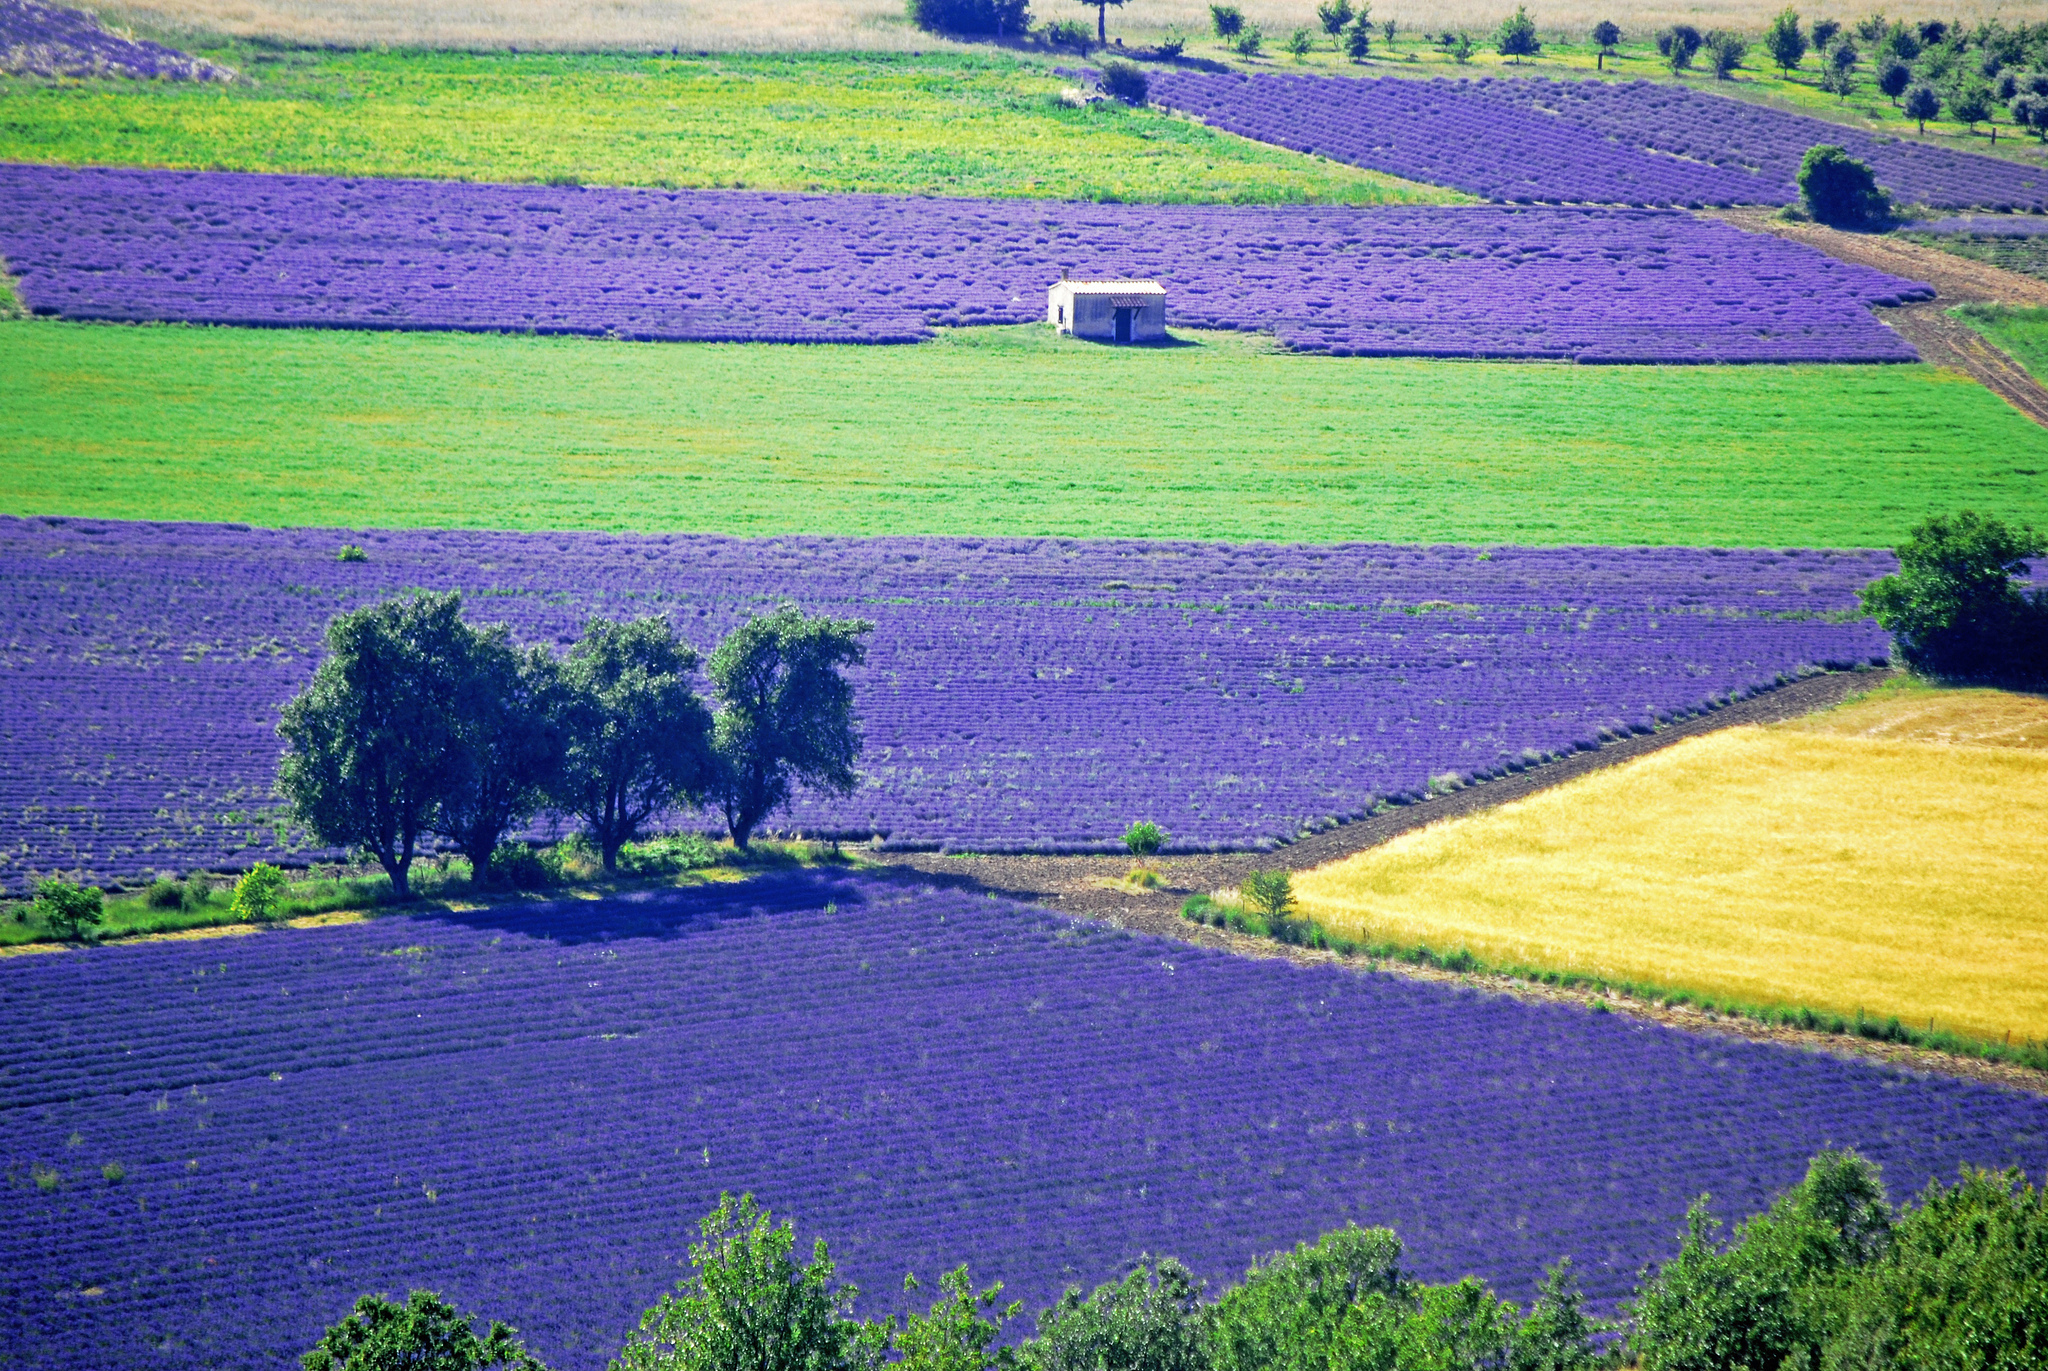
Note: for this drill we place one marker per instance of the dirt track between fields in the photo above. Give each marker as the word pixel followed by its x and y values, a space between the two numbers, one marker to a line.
pixel 1089 886
pixel 1939 339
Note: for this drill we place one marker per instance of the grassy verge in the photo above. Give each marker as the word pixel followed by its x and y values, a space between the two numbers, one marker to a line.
pixel 10 298
pixel 203 902
pixel 1463 961
pixel 2021 333
pixel 997 431
pixel 1882 859
pixel 941 124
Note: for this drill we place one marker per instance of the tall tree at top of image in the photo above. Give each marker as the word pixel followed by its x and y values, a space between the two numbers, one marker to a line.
pixel 370 742
pixel 1956 607
pixel 1606 34
pixel 1785 40
pixel 637 737
pixel 1101 17
pixel 785 713
pixel 508 745
pixel 1517 36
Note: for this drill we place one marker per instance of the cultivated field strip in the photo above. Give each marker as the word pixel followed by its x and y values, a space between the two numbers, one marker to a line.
pixel 1592 286
pixel 527 1111
pixel 1021 695
pixel 1590 142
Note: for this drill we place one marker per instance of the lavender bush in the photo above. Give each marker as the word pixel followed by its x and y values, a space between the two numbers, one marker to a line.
pixel 1595 286
pixel 527 1109
pixel 1019 694
pixel 48 40
pixel 1631 143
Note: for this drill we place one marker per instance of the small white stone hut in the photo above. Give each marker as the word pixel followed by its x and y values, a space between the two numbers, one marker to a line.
pixel 1109 311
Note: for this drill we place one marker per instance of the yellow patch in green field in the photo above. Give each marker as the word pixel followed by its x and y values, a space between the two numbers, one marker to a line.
pixel 1774 866
pixel 1905 711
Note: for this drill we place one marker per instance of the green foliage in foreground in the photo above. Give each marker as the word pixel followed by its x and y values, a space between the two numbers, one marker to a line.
pixel 942 124
pixel 2021 333
pixel 426 1333
pixel 986 432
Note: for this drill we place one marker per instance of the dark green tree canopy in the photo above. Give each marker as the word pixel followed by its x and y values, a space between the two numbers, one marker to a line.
pixel 508 745
pixel 1955 607
pixel 1839 190
pixel 1606 34
pixel 423 1334
pixel 749 1307
pixel 636 739
pixel 1145 1322
pixel 371 741
pixel 785 713
pixel 1785 40
pixel 1517 36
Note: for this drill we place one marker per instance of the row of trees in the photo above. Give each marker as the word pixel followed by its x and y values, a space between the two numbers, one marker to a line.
pixel 1831 1276
pixel 1922 68
pixel 419 724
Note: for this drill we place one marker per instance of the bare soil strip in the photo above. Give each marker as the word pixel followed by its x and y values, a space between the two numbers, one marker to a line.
pixel 1938 338
pixel 1090 887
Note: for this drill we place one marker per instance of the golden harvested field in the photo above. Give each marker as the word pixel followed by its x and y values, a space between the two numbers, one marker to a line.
pixel 1891 856
pixel 870 25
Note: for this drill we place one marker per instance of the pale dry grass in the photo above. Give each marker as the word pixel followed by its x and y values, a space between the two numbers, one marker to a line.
pixel 874 25
pixel 1772 866
pixel 1969 718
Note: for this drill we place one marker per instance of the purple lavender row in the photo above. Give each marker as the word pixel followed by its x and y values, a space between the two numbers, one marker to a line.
pixel 49 40
pixel 1596 286
pixel 1988 225
pixel 526 1109
pixel 1587 142
pixel 1020 694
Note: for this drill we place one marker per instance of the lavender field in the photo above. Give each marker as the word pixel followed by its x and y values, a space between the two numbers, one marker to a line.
pixel 1592 142
pixel 528 1111
pixel 1019 695
pixel 50 40
pixel 1591 286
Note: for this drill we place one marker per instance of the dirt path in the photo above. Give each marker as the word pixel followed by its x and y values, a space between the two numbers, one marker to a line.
pixel 1087 886
pixel 1927 325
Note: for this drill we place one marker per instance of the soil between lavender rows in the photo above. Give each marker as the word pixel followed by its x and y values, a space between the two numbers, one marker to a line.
pixel 1082 886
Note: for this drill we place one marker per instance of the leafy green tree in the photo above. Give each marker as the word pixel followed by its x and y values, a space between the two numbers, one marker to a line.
pixel 1556 1334
pixel 1677 45
pixel 1893 76
pixel 1149 1321
pixel 1517 36
pixel 1227 20
pixel 747 1306
pixel 1838 75
pixel 1970 104
pixel 1922 103
pixel 1269 894
pixel 1338 1302
pixel 1458 1327
pixel 371 740
pixel 785 713
pixel 70 912
pixel 1248 41
pixel 1725 51
pixel 960 1332
pixel 1606 34
pixel 1335 14
pixel 1955 607
pixel 509 745
pixel 1358 41
pixel 1824 31
pixel 1785 41
pixel 636 739
pixel 1963 1282
pixel 1143 837
pixel 423 1334
pixel 1301 42
pixel 1837 189
pixel 1102 18
pixel 1125 81
pixel 258 894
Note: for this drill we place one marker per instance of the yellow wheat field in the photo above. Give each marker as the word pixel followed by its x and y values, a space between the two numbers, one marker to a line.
pixel 1854 861
pixel 808 25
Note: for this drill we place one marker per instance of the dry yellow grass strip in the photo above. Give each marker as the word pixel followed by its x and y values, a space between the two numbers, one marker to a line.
pixel 1768 866
pixel 1909 713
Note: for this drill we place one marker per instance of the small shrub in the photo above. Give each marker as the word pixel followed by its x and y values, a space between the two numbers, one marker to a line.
pixel 1358 41
pixel 1125 82
pixel 522 867
pixel 1837 189
pixel 1249 41
pixel 1678 44
pixel 259 895
pixel 164 893
pixel 1197 909
pixel 1334 15
pixel 1462 48
pixel 114 1172
pixel 1174 44
pixel 1725 52
pixel 1269 894
pixel 46 1178
pixel 1068 33
pixel 70 912
pixel 1228 20
pixel 1144 838
pixel 1143 877
pixel 1300 43
pixel 350 552
pixel 1517 36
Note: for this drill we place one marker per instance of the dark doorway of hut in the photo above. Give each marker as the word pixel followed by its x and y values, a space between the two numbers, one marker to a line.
pixel 1123 324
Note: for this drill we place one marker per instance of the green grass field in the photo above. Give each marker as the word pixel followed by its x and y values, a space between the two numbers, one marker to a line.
pixel 2021 333
pixel 988 431
pixel 942 124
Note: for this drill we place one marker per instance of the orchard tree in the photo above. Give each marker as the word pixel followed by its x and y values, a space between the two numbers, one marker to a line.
pixel 785 713
pixel 1607 34
pixel 1102 18
pixel 426 1333
pixel 1517 36
pixel 1922 103
pixel 1335 14
pixel 371 741
pixel 1785 40
pixel 508 745
pixel 636 739
pixel 1893 76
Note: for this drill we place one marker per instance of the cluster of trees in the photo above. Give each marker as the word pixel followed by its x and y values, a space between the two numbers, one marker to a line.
pixel 1928 67
pixel 418 724
pixel 1959 607
pixel 1831 1276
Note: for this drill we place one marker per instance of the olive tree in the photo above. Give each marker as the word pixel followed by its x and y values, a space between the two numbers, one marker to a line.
pixel 636 739
pixel 371 741
pixel 785 713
